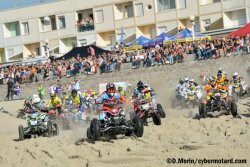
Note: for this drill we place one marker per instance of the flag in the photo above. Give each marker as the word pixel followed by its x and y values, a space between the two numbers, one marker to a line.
pixel 122 37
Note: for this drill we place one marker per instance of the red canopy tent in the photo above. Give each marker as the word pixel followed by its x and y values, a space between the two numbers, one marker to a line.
pixel 241 31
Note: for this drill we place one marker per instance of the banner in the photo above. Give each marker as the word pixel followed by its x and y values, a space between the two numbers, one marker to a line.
pixel 133 47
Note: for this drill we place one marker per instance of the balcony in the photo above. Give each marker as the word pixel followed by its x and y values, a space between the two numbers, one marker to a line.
pixel 234 18
pixel 233 4
pixel 129 22
pixel 85 27
pixel 85 20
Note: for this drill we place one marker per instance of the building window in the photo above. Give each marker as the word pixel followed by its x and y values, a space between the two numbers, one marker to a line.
pixel 53 23
pixel 62 23
pixel 182 4
pixel 12 29
pixel 165 4
pixel 202 2
pixel 99 16
pixel 25 27
pixel 43 25
pixel 206 23
pixel 10 52
pixel 162 29
pixel 139 9
pixel 129 11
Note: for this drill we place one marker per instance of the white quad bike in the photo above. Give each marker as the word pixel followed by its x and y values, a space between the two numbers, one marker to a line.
pixel 239 90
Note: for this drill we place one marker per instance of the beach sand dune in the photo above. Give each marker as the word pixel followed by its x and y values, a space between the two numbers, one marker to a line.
pixel 181 135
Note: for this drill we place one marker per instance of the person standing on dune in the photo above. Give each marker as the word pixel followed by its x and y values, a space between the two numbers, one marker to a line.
pixel 10 86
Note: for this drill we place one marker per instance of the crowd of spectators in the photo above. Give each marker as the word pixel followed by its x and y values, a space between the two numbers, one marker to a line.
pixel 222 47
pixel 107 62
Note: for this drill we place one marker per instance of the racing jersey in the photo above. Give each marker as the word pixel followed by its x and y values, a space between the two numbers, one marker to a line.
pixel 54 102
pixel 110 101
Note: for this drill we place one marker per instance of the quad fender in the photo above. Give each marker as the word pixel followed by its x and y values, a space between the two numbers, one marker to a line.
pixel 199 95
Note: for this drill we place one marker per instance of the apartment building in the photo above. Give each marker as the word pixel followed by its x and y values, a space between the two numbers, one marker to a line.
pixel 57 27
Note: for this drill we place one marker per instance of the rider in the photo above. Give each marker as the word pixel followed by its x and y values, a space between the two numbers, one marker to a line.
pixel 210 87
pixel 28 106
pixel 236 79
pixel 110 99
pixel 55 102
pixel 221 79
pixel 147 88
pixel 138 90
pixel 192 83
pixel 186 82
pixel 78 100
pixel 121 90
pixel 180 87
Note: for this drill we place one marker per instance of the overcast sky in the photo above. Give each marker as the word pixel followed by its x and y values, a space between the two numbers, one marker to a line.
pixel 6 4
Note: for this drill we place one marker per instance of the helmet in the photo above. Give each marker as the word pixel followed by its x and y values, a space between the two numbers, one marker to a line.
pixel 212 81
pixel 120 88
pixel 29 98
pixel 235 74
pixel 192 87
pixel 110 89
pixel 146 84
pixel 36 99
pixel 52 95
pixel 74 91
pixel 181 81
pixel 191 80
pixel 219 75
pixel 140 85
pixel 186 79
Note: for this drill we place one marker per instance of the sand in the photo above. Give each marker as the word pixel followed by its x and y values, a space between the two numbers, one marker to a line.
pixel 181 135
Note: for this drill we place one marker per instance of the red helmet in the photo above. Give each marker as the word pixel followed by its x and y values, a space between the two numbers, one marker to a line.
pixel 110 89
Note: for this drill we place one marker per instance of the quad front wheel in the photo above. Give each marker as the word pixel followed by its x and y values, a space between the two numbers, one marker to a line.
pixel 95 129
pixel 138 126
pixel 161 110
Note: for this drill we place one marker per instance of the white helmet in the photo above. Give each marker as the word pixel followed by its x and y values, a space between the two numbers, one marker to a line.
pixel 235 74
pixel 186 79
pixel 36 99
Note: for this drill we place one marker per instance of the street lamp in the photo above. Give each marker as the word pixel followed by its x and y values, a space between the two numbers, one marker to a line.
pixel 46 47
pixel 192 19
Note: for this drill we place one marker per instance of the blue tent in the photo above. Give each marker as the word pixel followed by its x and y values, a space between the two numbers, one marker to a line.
pixel 186 35
pixel 158 40
pixel 141 40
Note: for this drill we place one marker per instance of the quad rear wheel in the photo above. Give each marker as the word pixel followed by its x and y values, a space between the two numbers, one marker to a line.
pixel 21 132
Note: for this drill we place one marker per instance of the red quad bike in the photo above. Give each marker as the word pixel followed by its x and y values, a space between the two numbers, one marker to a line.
pixel 114 123
pixel 148 108
pixel 59 118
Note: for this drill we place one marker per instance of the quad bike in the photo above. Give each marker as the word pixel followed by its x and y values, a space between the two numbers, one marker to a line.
pixel 240 90
pixel 90 105
pixel 114 123
pixel 218 102
pixel 148 108
pixel 193 98
pixel 38 124
pixel 60 118
pixel 72 116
